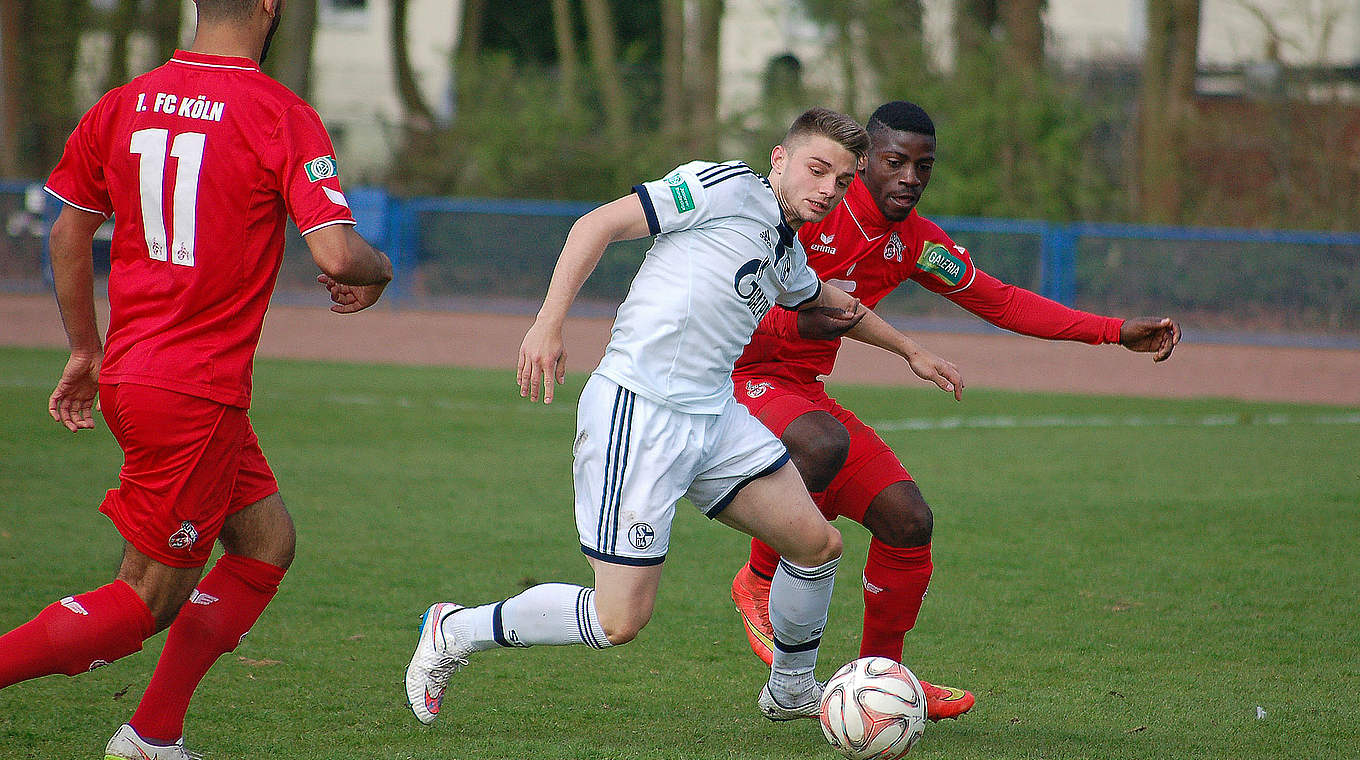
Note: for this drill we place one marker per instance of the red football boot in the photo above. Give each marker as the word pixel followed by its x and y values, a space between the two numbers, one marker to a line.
pixel 946 701
pixel 752 596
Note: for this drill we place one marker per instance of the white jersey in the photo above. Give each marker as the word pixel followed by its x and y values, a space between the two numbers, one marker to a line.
pixel 722 257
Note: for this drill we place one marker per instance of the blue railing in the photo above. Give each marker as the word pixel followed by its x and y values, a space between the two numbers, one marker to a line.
pixel 1230 279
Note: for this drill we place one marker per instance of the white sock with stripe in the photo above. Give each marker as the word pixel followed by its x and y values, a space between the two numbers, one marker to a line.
pixel 550 614
pixel 799 598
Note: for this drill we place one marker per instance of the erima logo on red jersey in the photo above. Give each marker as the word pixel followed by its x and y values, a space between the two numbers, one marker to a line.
pixel 824 246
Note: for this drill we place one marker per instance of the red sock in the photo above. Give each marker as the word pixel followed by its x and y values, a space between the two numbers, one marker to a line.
pixel 218 614
pixel 77 634
pixel 895 582
pixel 763 560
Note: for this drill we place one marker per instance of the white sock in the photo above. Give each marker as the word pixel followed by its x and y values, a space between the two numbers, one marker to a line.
pixel 550 614
pixel 799 598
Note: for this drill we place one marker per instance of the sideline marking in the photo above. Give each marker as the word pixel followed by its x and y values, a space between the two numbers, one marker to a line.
pixel 1002 422
pixel 992 422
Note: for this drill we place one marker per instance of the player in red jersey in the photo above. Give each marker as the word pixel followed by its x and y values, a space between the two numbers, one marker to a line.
pixel 199 162
pixel 870 244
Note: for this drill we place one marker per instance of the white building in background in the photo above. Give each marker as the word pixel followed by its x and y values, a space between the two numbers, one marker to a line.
pixel 1232 33
pixel 353 79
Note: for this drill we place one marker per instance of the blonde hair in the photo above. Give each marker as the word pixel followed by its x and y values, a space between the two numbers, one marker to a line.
pixel 832 125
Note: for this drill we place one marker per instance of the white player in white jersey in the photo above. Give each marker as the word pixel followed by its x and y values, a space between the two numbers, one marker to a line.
pixel 657 419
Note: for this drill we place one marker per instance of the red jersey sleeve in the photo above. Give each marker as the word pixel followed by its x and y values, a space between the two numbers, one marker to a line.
pixel 946 268
pixel 78 179
pixel 1029 313
pixel 781 322
pixel 309 175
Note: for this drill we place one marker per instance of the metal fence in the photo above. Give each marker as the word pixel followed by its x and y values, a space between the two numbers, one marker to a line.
pixel 1232 285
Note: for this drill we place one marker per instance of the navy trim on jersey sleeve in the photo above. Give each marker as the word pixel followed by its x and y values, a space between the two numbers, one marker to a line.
pixel 647 208
pixel 721 173
pixel 817 294
pixel 615 559
pixel 727 498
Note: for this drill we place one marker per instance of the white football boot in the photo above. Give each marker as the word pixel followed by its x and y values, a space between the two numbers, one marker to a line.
pixel 435 660
pixel 808 706
pixel 127 745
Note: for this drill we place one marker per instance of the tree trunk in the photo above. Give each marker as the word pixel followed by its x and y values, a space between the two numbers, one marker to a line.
pixel 704 97
pixel 604 60
pixel 419 117
pixel 164 17
pixel 673 65
pixel 973 23
pixel 1165 104
pixel 1024 25
pixel 895 46
pixel 568 56
pixel 46 55
pixel 290 55
pixel 470 26
pixel 121 23
pixel 11 84
pixel 845 42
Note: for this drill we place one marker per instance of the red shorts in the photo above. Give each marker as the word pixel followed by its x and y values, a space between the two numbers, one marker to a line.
pixel 188 463
pixel 870 466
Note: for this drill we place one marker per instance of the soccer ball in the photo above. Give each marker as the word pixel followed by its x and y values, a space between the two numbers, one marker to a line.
pixel 873 709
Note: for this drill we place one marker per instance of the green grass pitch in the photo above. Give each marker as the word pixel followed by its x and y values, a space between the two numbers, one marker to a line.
pixel 1115 578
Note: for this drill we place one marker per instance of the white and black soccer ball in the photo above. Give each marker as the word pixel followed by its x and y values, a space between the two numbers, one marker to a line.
pixel 873 709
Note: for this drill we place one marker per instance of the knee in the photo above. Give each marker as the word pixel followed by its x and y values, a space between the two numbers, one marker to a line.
pixel 900 517
pixel 262 531
pixel 823 548
pixel 819 453
pixel 285 548
pixel 622 629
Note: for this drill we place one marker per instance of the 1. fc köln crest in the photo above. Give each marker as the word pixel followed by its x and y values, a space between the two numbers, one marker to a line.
pixel 893 250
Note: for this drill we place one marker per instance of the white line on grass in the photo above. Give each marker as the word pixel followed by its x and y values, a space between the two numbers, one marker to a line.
pixel 1001 422
pixel 994 422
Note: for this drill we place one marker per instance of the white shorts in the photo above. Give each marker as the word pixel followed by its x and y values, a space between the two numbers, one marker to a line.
pixel 635 458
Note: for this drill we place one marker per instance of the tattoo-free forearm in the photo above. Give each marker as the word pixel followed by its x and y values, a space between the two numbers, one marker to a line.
pixel 73 278
pixel 622 219
pixel 874 331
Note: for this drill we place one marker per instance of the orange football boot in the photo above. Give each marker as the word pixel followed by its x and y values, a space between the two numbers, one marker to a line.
pixel 751 593
pixel 946 701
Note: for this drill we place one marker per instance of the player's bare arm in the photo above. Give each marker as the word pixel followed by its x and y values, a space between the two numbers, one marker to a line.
pixel 1155 335
pixel 353 271
pixel 828 322
pixel 873 330
pixel 72 402
pixel 541 355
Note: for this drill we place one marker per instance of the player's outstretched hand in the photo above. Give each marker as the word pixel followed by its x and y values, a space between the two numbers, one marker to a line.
pixel 77 394
pixel 932 368
pixel 829 322
pixel 542 359
pixel 351 298
pixel 1155 335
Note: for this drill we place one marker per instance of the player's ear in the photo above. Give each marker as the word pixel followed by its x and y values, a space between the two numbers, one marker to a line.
pixel 777 158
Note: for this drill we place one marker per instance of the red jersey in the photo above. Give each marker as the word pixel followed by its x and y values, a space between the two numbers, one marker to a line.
pixel 198 161
pixel 859 251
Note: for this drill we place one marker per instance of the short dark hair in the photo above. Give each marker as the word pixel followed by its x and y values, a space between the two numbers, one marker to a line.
pixel 225 10
pixel 830 124
pixel 903 117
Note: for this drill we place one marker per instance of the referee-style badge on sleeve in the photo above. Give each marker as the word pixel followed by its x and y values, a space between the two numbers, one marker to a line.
pixel 684 199
pixel 321 168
